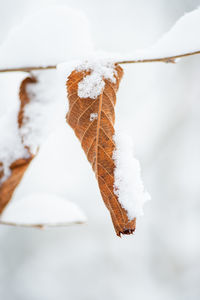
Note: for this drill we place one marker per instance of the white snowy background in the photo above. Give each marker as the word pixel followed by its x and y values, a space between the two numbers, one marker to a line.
pixel 158 104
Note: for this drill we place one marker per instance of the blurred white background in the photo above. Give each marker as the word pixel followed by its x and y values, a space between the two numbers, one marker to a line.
pixel 159 104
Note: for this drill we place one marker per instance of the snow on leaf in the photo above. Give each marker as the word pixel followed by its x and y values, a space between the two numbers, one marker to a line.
pixel 128 185
pixel 17 166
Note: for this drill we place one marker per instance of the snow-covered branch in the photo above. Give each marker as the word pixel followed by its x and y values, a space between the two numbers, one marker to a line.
pixel 180 41
pixel 168 59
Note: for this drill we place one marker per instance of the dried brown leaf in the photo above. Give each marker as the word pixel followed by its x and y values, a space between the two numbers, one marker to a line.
pixel 19 166
pixel 96 139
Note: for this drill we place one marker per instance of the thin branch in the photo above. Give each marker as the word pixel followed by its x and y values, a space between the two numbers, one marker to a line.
pixel 42 225
pixel 168 59
pixel 26 69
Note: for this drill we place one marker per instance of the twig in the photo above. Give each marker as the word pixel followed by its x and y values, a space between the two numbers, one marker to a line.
pixel 42 225
pixel 26 69
pixel 169 59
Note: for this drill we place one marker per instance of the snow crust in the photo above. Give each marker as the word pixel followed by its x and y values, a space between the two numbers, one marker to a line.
pixel 42 209
pixel 51 36
pixel 128 185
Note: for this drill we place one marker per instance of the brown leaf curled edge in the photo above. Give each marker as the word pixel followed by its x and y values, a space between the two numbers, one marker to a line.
pixel 19 166
pixel 96 137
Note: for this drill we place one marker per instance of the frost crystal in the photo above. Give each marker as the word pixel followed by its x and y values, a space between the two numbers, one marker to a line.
pixel 93 116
